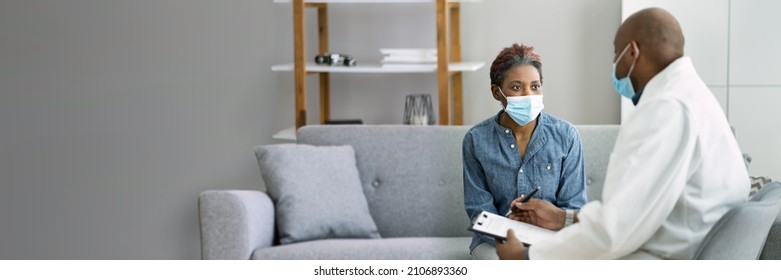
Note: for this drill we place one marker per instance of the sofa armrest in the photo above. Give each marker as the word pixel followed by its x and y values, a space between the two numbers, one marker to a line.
pixel 772 248
pixel 234 223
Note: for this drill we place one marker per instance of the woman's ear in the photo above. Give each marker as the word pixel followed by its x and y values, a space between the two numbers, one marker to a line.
pixel 497 95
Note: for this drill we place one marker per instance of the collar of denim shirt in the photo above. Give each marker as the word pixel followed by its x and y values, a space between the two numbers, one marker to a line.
pixel 543 120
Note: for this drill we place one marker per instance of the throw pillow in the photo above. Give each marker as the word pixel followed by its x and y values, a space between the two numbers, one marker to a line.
pixel 757 183
pixel 316 191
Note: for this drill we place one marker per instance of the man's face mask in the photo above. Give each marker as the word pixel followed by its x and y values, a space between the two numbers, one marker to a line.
pixel 523 109
pixel 624 85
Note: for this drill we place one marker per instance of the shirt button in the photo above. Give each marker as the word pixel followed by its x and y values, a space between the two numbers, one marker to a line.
pixel 521 170
pixel 548 167
pixel 506 131
pixel 512 146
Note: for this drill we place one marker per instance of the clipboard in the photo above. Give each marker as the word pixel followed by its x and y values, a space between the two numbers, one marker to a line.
pixel 496 226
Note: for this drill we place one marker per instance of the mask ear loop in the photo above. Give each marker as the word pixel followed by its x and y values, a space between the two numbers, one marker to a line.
pixel 622 53
pixel 637 56
pixel 501 105
pixel 634 62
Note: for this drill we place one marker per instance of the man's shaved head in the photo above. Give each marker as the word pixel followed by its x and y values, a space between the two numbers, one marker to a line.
pixel 656 32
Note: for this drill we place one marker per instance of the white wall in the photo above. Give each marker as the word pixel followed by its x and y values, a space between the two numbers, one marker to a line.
pixel 707 39
pixel 755 83
pixel 730 48
pixel 114 115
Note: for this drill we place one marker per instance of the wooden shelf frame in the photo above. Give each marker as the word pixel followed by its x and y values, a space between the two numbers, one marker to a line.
pixel 448 14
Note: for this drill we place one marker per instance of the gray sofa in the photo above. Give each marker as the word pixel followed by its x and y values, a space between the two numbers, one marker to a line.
pixel 412 179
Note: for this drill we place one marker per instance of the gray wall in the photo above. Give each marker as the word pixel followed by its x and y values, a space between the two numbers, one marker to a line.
pixel 573 37
pixel 114 115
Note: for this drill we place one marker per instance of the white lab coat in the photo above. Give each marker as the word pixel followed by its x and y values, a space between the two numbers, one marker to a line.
pixel 674 171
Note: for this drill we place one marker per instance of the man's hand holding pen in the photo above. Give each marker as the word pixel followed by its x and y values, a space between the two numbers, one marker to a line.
pixel 538 212
pixel 541 213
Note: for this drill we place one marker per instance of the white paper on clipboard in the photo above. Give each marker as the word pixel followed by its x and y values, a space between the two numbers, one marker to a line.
pixel 494 225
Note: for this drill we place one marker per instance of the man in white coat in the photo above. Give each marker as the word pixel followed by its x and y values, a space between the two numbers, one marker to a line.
pixel 674 171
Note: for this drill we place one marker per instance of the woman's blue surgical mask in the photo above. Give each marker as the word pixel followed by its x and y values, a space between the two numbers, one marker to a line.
pixel 624 85
pixel 523 109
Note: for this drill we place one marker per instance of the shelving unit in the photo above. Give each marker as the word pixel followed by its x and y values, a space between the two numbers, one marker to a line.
pixel 449 66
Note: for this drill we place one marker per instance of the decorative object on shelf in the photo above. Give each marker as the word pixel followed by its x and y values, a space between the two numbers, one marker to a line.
pixel 418 110
pixel 335 59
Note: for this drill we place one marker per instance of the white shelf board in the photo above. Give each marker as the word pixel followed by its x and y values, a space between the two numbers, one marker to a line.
pixel 286 134
pixel 379 68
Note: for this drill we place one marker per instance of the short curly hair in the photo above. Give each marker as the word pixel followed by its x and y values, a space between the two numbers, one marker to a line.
pixel 513 56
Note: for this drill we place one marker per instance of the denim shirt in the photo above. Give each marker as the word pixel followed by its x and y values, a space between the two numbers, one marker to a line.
pixel 495 174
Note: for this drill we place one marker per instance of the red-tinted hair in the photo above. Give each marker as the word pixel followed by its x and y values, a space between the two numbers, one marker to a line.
pixel 513 56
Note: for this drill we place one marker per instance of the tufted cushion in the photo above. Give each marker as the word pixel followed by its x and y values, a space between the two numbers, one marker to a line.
pixel 316 191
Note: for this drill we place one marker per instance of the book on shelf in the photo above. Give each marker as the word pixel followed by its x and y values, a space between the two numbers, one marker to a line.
pixel 409 59
pixel 410 67
pixel 409 51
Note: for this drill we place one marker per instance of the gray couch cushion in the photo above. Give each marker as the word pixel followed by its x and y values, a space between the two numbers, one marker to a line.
pixel 772 248
pixel 598 142
pixel 742 231
pixel 412 248
pixel 316 191
pixel 411 175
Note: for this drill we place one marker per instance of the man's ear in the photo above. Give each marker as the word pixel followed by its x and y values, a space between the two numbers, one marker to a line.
pixel 635 49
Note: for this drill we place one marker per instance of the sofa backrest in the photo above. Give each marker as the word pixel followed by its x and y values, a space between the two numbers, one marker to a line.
pixel 598 142
pixel 412 175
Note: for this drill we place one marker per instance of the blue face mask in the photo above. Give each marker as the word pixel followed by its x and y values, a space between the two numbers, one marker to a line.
pixel 523 109
pixel 624 85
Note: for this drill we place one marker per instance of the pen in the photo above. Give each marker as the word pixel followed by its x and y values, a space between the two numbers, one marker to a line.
pixel 525 199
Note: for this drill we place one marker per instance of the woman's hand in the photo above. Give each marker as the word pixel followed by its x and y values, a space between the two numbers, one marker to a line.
pixel 540 213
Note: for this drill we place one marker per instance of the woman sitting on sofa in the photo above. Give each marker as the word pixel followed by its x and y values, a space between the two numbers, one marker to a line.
pixel 520 149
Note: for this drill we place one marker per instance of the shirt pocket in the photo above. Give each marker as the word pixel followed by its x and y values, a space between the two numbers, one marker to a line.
pixel 548 178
